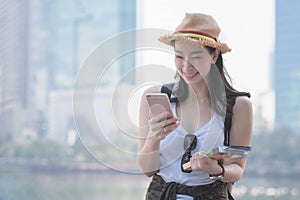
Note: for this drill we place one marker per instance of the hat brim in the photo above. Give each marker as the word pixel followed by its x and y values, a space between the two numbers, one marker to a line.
pixel 167 39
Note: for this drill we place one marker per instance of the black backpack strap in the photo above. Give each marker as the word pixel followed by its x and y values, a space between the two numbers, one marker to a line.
pixel 167 88
pixel 228 118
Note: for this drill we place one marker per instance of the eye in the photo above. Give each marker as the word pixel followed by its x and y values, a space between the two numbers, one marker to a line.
pixel 196 57
pixel 178 56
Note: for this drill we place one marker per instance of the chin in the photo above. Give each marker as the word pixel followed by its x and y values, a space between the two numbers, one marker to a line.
pixel 193 80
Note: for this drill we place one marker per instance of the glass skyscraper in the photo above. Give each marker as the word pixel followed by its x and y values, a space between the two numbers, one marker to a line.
pixel 74 28
pixel 43 43
pixel 14 68
pixel 287 66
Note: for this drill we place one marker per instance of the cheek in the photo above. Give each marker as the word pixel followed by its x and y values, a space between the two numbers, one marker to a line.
pixel 178 63
pixel 202 67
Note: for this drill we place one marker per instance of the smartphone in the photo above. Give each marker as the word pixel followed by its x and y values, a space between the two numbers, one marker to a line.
pixel 158 103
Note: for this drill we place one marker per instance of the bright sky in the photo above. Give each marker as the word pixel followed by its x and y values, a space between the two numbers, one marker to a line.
pixel 248 27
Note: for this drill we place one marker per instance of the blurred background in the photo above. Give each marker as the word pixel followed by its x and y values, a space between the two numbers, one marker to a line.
pixel 44 44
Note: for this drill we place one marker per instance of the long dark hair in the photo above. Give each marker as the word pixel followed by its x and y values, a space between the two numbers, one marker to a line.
pixel 218 82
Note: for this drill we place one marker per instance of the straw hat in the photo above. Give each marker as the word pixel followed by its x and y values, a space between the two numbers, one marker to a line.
pixel 198 29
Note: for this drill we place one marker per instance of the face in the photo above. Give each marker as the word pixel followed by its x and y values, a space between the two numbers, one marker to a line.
pixel 192 61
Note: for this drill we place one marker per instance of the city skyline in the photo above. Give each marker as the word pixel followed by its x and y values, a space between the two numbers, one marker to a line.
pixel 250 35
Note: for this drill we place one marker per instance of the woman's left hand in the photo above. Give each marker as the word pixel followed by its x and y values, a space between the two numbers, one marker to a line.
pixel 200 162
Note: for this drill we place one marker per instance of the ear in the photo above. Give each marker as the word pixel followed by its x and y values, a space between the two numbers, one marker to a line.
pixel 215 56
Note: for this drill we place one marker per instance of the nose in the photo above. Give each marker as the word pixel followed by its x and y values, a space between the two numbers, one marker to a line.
pixel 186 64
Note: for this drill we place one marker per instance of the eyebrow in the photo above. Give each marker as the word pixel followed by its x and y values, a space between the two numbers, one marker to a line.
pixel 195 52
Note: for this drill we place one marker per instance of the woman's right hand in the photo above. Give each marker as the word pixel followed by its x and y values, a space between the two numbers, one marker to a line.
pixel 152 129
pixel 161 125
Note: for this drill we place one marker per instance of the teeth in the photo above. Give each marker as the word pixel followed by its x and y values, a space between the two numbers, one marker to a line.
pixel 190 74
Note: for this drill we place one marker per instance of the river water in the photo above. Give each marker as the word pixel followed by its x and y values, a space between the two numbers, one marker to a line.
pixel 18 183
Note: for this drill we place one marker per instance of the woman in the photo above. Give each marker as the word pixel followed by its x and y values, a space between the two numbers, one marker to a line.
pixel 201 100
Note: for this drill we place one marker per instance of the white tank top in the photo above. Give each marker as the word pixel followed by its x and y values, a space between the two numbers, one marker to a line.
pixel 172 150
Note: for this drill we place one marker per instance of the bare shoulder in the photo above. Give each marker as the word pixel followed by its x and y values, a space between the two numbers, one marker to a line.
pixel 242 104
pixel 242 110
pixel 242 121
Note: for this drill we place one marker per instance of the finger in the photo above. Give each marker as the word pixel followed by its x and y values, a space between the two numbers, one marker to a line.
pixel 163 133
pixel 158 125
pixel 164 116
pixel 198 158
pixel 170 114
pixel 202 158
pixel 163 128
pixel 200 155
pixel 171 121
pixel 195 164
pixel 159 117
pixel 156 121
pixel 171 126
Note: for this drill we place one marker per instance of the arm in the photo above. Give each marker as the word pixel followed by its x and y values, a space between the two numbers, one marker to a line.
pixel 152 131
pixel 240 135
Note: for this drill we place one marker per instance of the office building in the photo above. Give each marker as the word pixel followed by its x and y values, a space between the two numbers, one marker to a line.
pixel 15 74
pixel 286 67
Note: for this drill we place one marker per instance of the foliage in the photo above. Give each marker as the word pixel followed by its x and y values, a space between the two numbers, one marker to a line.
pixel 278 149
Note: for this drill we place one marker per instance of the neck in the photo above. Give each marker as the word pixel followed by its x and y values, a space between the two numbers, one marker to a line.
pixel 199 92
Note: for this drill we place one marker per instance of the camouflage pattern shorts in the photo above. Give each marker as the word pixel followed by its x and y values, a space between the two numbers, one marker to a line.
pixel 160 190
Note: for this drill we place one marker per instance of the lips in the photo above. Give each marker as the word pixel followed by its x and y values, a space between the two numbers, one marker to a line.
pixel 190 75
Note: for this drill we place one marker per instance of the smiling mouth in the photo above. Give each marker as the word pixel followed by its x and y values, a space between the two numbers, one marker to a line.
pixel 190 75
